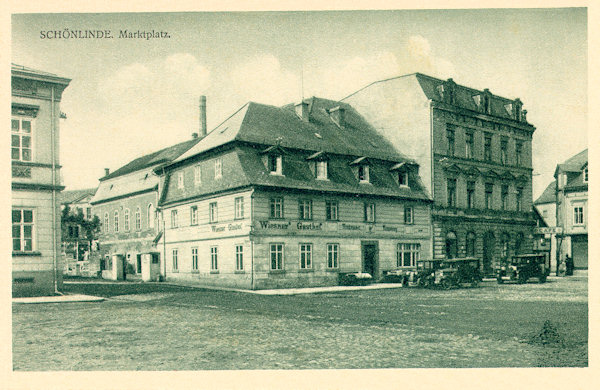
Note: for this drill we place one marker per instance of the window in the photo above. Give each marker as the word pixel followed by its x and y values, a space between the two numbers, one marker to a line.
pixel 504 197
pixel 212 212
pixel 276 255
pixel 451 245
pixel 305 256
pixel 180 180
pixel 174 219
pixel 88 213
pixel 21 139
pixel 470 245
pixel 469 144
pixel 322 170
pixel 578 215
pixel 470 194
pixel 333 255
pixel 218 168
pixel 520 199
pixel 106 223
pixel 504 151
pixel 363 173
pixel 276 207
pixel 519 153
pixel 214 258
pixel 197 175
pixel 22 230
pixel 138 219
pixel 150 215
pixel 487 148
pixel 194 259
pixel 331 210
pixel 451 192
pixel 504 242
pixel 585 174
pixel 194 215
pixel 489 192
pixel 403 178
pixel 126 220
pixel 450 140
pixel 116 219
pixel 369 212
pixel 239 258
pixel 407 255
pixel 239 207
pixel 305 209
pixel 175 254
pixel 408 215
pixel 274 163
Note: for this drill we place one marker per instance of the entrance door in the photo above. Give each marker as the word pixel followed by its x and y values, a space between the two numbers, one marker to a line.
pixel 369 252
pixel 489 244
pixel 138 268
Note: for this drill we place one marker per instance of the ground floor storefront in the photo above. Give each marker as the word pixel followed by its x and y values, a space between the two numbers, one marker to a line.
pixel 574 246
pixel 490 241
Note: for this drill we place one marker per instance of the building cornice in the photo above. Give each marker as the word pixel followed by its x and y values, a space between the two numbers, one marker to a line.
pixel 36 187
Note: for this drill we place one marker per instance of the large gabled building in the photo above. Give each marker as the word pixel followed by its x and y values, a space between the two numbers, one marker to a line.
pixel 126 202
pixel 474 153
pixel 291 197
pixel 35 181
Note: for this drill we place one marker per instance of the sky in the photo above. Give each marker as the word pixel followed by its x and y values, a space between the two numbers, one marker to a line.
pixel 129 97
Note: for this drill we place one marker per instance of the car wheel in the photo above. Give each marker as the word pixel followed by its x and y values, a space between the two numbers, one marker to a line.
pixel 522 279
pixel 475 282
pixel 543 279
pixel 445 284
pixel 500 280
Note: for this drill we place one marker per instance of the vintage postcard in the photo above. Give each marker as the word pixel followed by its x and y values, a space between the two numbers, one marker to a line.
pixel 286 192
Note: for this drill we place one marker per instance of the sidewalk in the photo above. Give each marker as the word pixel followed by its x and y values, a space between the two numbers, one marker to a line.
pixel 58 299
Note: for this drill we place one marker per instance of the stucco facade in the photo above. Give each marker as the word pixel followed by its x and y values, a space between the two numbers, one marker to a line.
pixel 36 231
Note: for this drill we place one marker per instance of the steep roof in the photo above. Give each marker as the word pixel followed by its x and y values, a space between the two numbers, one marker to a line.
pixel 74 196
pixel 464 96
pixel 161 156
pixel 548 196
pixel 575 163
pixel 270 125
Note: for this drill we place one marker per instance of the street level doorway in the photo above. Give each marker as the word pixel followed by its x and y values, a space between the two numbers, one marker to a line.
pixel 370 257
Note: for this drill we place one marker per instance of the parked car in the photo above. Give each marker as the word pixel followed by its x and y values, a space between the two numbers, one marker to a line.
pixel 425 272
pixel 458 272
pixel 520 268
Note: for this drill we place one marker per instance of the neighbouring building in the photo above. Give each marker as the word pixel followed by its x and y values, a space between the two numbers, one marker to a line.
pixel 546 229
pixel 125 202
pixel 76 220
pixel 474 153
pixel 292 196
pixel 572 209
pixel 35 117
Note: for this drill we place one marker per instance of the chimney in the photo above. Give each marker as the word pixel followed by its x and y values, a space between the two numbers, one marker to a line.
pixel 338 114
pixel 202 110
pixel 302 111
pixel 106 171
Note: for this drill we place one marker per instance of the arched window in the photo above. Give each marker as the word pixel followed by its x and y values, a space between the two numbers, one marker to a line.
pixel 138 219
pixel 470 245
pixel 451 245
pixel 126 220
pixel 106 222
pixel 116 221
pixel 150 215
pixel 519 243
pixel 505 240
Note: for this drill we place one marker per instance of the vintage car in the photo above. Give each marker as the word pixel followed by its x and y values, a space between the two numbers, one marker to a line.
pixel 458 272
pixel 521 268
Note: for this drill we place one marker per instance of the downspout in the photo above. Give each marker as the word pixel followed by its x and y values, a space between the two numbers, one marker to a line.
pixel 251 241
pixel 431 174
pixel 53 156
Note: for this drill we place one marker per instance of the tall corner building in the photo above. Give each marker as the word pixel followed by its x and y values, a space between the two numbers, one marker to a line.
pixel 474 153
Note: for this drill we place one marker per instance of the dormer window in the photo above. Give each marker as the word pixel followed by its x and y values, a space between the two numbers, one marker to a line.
pixel 363 173
pixel 319 165
pixel 400 171
pixel 275 161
